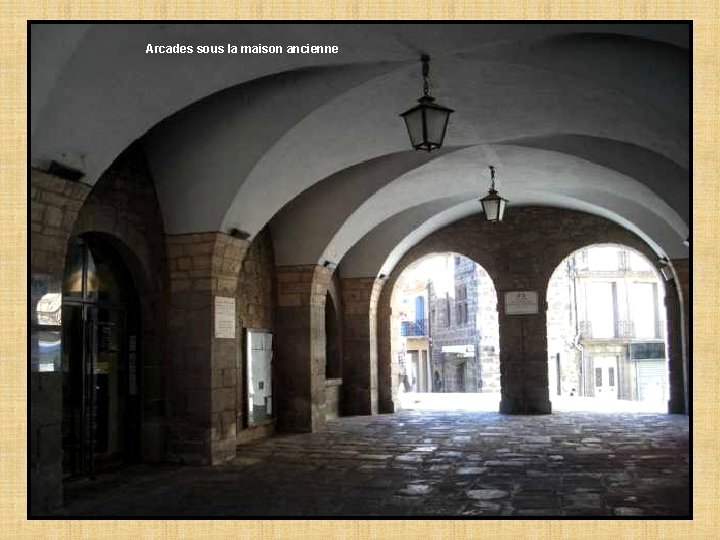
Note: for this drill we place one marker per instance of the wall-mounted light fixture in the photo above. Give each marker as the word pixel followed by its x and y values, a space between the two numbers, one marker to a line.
pixel 493 204
pixel 663 266
pixel 237 233
pixel 427 122
pixel 64 171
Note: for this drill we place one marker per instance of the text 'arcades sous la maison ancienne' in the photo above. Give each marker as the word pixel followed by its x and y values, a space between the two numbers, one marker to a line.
pixel 241 49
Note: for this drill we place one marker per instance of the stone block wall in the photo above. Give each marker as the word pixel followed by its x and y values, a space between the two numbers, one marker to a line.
pixel 256 288
pixel 678 352
pixel 561 334
pixel 202 385
pixel 54 205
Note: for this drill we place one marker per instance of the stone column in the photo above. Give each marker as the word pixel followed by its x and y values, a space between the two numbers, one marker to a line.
pixel 680 333
pixel 54 205
pixel 387 369
pixel 360 348
pixel 524 360
pixel 299 363
pixel 202 385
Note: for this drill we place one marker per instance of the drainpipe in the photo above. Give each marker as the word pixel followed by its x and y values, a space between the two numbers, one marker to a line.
pixel 572 272
pixel 428 326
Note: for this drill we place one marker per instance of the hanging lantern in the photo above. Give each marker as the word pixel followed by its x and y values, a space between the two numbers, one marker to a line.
pixel 426 123
pixel 493 204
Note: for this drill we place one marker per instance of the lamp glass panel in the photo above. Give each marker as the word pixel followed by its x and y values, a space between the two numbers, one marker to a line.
pixel 501 208
pixel 414 123
pixel 437 120
pixel 491 208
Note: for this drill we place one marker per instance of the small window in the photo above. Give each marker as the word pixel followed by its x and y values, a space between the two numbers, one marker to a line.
pixel 611 376
pixel 461 307
pixel 598 376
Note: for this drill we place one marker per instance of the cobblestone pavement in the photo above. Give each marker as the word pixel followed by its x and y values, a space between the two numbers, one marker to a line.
pixel 424 464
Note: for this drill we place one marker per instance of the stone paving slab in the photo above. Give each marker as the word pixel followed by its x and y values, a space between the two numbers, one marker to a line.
pixel 421 463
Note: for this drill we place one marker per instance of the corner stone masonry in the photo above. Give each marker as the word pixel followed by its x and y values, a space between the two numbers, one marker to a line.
pixel 300 347
pixel 360 344
pixel 202 386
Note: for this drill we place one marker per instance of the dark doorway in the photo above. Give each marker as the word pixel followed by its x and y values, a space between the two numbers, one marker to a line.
pixel 100 359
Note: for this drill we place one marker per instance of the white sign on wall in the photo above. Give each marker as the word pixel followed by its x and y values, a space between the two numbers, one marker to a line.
pixel 521 303
pixel 465 350
pixel 224 317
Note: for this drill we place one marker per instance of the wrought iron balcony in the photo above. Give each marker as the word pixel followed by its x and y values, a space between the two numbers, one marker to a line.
pixel 413 328
pixel 625 329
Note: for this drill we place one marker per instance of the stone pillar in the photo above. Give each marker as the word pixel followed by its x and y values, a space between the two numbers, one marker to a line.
pixel 360 348
pixel 679 305
pixel 524 360
pixel 299 363
pixel 387 369
pixel 54 205
pixel 202 385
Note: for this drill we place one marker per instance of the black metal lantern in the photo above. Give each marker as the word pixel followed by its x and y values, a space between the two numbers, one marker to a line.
pixel 493 204
pixel 426 123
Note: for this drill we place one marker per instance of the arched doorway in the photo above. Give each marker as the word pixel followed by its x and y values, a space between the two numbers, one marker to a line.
pixel 607 345
pixel 100 358
pixel 445 334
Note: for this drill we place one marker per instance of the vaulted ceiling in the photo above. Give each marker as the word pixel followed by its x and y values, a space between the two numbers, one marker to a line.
pixel 594 117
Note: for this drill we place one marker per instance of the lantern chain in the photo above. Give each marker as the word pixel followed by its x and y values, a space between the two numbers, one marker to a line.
pixel 425 71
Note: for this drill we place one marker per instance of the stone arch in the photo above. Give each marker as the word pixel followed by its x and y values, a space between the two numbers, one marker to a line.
pixel 122 209
pixel 674 332
pixel 436 322
pixel 520 253
pixel 430 246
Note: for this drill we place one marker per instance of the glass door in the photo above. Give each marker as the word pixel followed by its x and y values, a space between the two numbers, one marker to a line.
pixel 101 403
pixel 605 377
pixel 79 414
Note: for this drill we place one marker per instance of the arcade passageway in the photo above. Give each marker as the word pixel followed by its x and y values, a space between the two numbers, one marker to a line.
pixel 215 241
pixel 451 463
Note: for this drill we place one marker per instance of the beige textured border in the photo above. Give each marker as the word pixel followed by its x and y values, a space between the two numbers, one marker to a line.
pixel 13 237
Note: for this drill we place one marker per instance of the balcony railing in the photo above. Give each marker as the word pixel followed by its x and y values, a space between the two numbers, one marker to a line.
pixel 625 329
pixel 413 328
pixel 622 329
